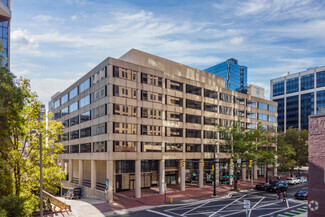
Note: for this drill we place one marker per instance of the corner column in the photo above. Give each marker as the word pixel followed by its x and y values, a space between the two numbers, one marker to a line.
pixel 255 171
pixel 110 178
pixel 161 176
pixel 275 168
pixel 70 170
pixel 182 185
pixel 201 171
pixel 138 179
pixel 217 168
pixel 81 172
pixel 93 174
pixel 243 172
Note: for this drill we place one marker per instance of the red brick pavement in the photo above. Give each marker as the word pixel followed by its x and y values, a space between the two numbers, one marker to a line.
pixel 151 197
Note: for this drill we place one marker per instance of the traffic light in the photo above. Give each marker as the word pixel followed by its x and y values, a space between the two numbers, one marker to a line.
pixel 230 162
pixel 182 163
pixel 203 163
pixel 250 163
pixel 212 168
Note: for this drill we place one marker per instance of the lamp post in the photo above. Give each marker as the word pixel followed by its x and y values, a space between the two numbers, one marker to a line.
pixel 214 171
pixel 41 171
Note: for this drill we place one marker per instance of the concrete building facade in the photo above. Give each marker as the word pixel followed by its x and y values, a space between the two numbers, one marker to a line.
pixel 129 123
pixel 316 163
pixel 298 96
pixel 255 90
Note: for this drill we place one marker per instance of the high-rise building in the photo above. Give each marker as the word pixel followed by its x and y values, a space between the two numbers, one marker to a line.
pixel 234 74
pixel 5 15
pixel 131 123
pixel 298 96
pixel 255 90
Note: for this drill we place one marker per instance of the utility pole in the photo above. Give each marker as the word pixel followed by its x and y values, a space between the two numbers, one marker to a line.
pixel 214 171
pixel 41 176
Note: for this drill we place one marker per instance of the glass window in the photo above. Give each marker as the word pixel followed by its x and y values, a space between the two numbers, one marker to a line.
pixel 150 147
pixel 251 115
pixel 210 107
pixel 57 103
pixel 210 134
pixel 124 146
pixel 174 132
pixel 85 132
pixel 225 97
pixel 174 147
pixel 210 121
pixel 193 90
pixel 84 85
pixel 100 111
pixel 190 133
pixel 195 119
pixel 280 113
pixel 239 112
pixel 74 120
pixel 320 76
pixel 262 106
pixel 292 85
pixel 74 135
pixel 74 149
pixel 65 137
pixel 73 93
pixel 66 149
pixel 85 101
pixel 85 148
pixel 193 147
pixel 225 110
pixel 225 123
pixel 193 104
pixel 251 103
pixel 73 107
pixel 272 108
pixel 209 148
pixel 172 116
pixel 85 117
pixel 100 75
pixel 64 98
pixel 211 94
pixel 57 115
pixel 100 146
pixel 174 85
pixel 65 123
pixel 272 118
pixel 278 88
pixel 307 108
pixel 99 94
pixel 251 126
pixel 292 111
pixel 65 111
pixel 262 117
pixel 320 99
pixel 307 82
pixel 238 100
pixel 99 129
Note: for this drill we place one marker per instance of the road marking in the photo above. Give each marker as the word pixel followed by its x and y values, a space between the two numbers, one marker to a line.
pixel 299 212
pixel 289 213
pixel 249 214
pixel 287 203
pixel 159 213
pixel 303 209
pixel 280 210
pixel 227 206
pixel 283 215
pixel 195 208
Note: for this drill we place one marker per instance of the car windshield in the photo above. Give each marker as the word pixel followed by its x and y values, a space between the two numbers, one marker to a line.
pixel 302 192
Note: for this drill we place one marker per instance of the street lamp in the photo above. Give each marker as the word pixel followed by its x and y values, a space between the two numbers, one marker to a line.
pixel 214 171
pixel 41 170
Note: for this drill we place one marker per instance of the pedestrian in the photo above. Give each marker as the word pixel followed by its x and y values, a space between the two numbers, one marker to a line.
pixel 278 194
pixel 284 196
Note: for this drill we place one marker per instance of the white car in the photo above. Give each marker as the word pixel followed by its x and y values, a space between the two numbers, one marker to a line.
pixel 291 181
pixel 298 181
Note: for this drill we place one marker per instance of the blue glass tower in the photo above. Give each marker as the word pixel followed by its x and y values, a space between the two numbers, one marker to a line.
pixel 234 74
pixel 5 15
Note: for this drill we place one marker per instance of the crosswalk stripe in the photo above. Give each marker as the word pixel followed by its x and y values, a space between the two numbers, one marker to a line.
pixel 289 213
pixel 284 215
pixel 303 209
pixel 299 212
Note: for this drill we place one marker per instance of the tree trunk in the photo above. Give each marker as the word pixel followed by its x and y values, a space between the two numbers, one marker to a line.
pixel 235 181
pixel 292 171
pixel 266 173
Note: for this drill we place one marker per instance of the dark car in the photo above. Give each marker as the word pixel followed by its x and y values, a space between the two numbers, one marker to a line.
pixel 74 193
pixel 262 186
pixel 302 194
pixel 275 187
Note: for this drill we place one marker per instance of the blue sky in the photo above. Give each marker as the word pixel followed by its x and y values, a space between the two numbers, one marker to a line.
pixel 53 43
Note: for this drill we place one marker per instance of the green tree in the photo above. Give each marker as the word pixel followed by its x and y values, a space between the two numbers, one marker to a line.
pixel 243 143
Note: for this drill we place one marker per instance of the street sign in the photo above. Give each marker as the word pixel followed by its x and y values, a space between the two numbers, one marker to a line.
pixel 239 161
pixel 247 204
pixel 165 186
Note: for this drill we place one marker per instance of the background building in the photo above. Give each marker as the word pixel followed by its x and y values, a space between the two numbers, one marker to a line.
pixel 255 90
pixel 234 74
pixel 5 15
pixel 316 164
pixel 132 120
pixel 298 96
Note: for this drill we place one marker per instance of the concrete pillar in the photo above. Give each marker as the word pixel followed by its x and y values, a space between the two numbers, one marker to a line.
pixel 231 172
pixel 243 172
pixel 93 174
pixel 161 176
pixel 255 171
pixel 275 168
pixel 110 178
pixel 183 169
pixel 201 171
pixel 62 164
pixel 81 172
pixel 70 170
pixel 138 179
pixel 264 171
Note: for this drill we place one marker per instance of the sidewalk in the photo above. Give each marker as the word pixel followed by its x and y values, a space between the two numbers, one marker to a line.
pixel 124 201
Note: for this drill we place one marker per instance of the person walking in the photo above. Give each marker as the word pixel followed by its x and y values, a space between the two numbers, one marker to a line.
pixel 278 197
pixel 284 196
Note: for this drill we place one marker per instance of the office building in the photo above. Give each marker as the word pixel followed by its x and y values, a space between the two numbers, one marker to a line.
pixel 5 15
pixel 131 121
pixel 234 74
pixel 298 96
pixel 255 90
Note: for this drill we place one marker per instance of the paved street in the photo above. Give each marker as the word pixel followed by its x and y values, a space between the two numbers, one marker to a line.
pixel 262 204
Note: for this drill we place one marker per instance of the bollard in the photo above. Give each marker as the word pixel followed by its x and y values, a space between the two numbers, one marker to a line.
pixel 171 200
pixel 60 209
pixel 65 206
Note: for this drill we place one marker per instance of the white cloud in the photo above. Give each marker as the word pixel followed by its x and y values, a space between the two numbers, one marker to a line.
pixel 23 41
pixel 236 40
pixel 45 18
pixel 74 17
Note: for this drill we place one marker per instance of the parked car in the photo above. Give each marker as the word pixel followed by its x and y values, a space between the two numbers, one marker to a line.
pixel 299 179
pixel 73 193
pixel 280 182
pixel 291 181
pixel 302 179
pixel 262 186
pixel 275 187
pixel 302 194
